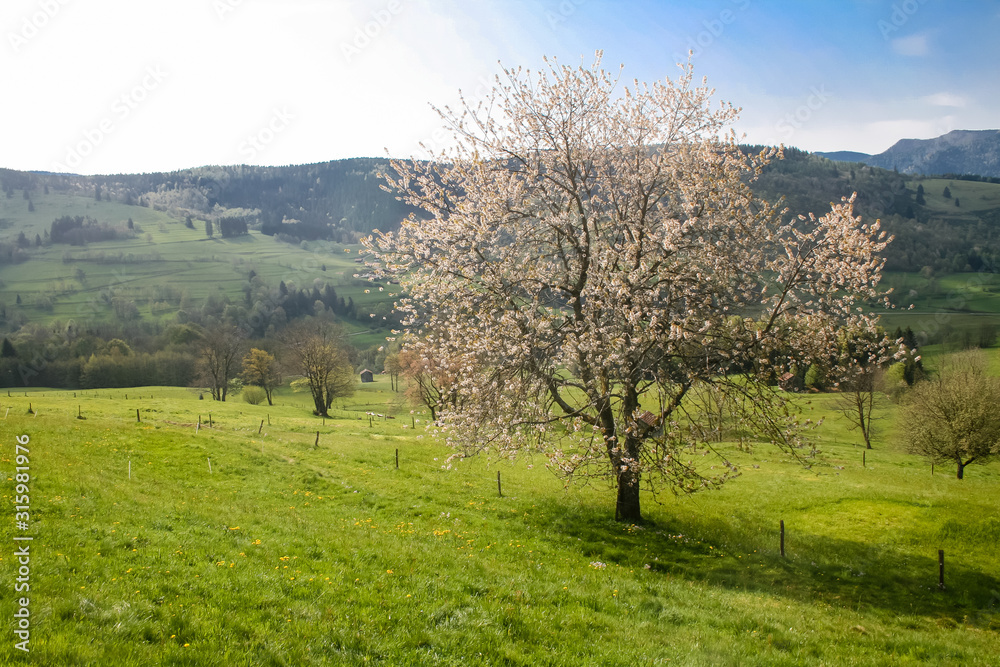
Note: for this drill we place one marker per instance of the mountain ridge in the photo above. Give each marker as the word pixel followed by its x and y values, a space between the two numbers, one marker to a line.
pixel 974 152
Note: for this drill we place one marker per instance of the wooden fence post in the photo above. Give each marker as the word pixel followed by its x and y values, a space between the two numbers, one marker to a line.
pixel 782 546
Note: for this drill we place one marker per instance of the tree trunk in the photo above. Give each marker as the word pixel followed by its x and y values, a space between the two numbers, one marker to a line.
pixel 627 506
pixel 961 469
pixel 318 402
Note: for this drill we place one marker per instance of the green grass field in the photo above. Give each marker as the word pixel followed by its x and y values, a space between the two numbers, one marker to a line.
pixel 164 263
pixel 284 553
pixel 972 195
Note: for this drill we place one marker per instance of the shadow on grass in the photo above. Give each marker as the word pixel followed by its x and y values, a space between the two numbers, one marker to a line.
pixel 817 568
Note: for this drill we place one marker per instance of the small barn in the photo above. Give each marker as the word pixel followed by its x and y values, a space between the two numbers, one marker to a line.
pixel 790 382
pixel 367 376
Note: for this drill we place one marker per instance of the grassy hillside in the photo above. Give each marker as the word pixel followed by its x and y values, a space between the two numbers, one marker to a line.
pixel 288 554
pixel 940 262
pixel 165 267
pixel 973 196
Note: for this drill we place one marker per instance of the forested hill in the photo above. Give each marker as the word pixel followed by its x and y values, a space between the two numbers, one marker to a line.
pixel 947 224
pixel 339 200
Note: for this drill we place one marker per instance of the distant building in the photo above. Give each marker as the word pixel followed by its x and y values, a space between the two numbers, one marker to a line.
pixel 790 382
pixel 367 376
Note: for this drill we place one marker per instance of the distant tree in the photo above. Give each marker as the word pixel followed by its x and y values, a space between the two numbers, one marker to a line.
pixel 97 191
pixel 31 206
pixel 7 350
pixel 261 369
pixel 232 226
pixel 221 350
pixel 189 223
pixel 431 380
pixel 38 241
pixel 920 195
pixel 316 350
pixel 45 188
pixel 130 224
pixel 987 335
pixel 953 417
pixel 859 400
pixel 18 300
pixel 393 368
pixel 124 308
pixel 956 202
pixel 22 240
pixel 209 231
pixel 947 193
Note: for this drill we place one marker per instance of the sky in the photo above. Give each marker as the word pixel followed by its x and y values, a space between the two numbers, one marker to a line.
pixel 125 86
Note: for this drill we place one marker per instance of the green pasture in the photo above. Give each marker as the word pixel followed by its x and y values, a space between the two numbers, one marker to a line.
pixel 166 266
pixel 972 195
pixel 289 553
pixel 945 307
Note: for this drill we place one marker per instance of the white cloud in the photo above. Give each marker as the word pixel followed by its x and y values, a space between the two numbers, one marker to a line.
pixel 914 45
pixel 945 99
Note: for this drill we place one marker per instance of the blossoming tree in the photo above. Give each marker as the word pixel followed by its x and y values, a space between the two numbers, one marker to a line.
pixel 591 252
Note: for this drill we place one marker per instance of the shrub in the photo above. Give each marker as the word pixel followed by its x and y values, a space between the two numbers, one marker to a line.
pixel 253 395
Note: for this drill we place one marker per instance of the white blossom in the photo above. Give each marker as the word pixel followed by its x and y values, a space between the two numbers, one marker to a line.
pixel 591 252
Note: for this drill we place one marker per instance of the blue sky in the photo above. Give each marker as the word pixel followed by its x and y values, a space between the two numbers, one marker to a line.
pixel 107 86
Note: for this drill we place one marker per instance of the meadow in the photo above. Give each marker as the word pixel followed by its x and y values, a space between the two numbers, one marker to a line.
pixel 165 267
pixel 169 541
